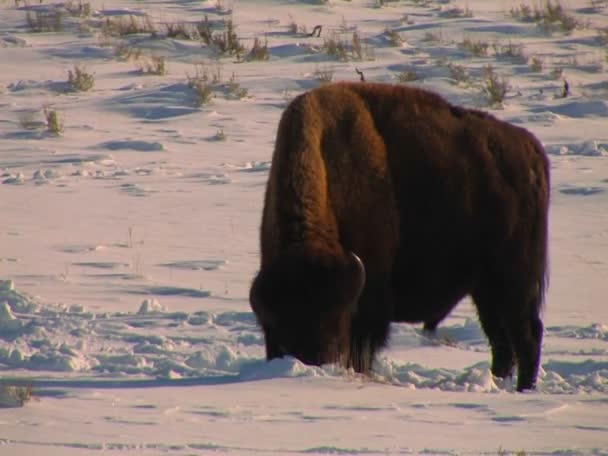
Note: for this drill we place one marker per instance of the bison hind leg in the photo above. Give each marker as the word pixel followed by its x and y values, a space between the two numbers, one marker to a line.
pixel 527 335
pixel 514 330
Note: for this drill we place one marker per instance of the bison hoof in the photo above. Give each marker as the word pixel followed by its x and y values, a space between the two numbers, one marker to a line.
pixel 429 329
pixel 502 371
pixel 523 386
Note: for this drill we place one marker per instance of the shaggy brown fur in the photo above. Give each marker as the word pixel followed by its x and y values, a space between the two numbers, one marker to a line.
pixel 438 201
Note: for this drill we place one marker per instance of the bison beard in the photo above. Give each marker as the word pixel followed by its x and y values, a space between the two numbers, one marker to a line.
pixel 386 203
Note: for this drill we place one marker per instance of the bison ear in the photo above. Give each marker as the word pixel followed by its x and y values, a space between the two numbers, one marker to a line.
pixel 356 278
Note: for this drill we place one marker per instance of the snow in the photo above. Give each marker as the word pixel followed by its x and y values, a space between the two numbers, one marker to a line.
pixel 128 242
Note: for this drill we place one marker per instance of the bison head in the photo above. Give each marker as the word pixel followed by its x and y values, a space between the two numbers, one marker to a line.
pixel 305 306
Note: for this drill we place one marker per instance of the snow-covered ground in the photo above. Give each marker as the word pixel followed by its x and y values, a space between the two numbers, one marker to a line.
pixel 128 242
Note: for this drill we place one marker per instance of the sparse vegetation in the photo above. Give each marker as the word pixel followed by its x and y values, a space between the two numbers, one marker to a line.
pixel 407 76
pixel 221 7
pixel 154 65
pixel 536 63
pixel 510 50
pixel 433 37
pixel 336 47
pixel 234 88
pixel 382 3
pixel 550 16
pixel 494 85
pixel 340 48
pixel 205 73
pixel 502 452
pixel 557 72
pixel 127 25
pixel 27 120
pixel 207 81
pixel 205 30
pixel 202 90
pixel 358 52
pixel 456 12
pixel 226 42
pixel 295 28
pixel 15 395
pixel 78 9
pixel 523 13
pixel 324 74
pixel 393 37
pixel 126 52
pixel 459 73
pixel 80 80
pixel 477 48
pixel 181 31
pixel 553 14
pixel 259 50
pixel 53 124
pixel 602 35
pixel 216 74
pixel 45 21
pixel 565 24
pixel 85 27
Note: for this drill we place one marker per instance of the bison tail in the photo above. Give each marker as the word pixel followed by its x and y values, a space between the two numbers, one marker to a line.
pixel 540 230
pixel 543 268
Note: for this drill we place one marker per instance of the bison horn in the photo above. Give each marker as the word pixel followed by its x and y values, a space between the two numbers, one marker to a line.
pixel 359 275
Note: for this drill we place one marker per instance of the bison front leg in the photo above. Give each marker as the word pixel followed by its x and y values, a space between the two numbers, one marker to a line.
pixel 491 319
pixel 370 328
pixel 366 341
pixel 273 349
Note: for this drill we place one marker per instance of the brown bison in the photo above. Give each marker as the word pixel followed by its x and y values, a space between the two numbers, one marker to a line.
pixel 389 204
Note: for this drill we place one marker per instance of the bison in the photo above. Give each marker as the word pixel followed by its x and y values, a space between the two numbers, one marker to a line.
pixel 385 204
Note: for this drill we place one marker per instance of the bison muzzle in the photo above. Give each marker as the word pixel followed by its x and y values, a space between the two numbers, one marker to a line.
pixel 388 204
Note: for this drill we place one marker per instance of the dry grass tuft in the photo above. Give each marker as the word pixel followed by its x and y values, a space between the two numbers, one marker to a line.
pixel 80 80
pixel 153 65
pixel 476 48
pixel 15 395
pixel 53 123
pixel 259 50
pixel 550 16
pixel 324 74
pixel 44 21
pixel 128 25
pixel 494 86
